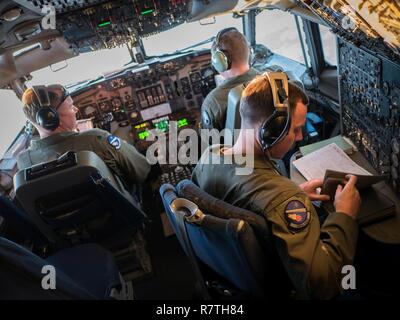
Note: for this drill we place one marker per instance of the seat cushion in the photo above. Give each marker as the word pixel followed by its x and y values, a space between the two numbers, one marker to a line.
pixel 89 265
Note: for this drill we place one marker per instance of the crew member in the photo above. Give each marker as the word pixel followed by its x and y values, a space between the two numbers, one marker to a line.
pixel 230 57
pixel 51 110
pixel 273 113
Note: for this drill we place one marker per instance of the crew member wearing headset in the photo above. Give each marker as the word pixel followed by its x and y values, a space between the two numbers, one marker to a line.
pixel 230 57
pixel 304 255
pixel 51 110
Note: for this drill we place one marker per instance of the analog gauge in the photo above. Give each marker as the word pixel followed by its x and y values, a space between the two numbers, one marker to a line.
pixel 195 77
pixel 116 103
pixel 207 73
pixel 134 115
pixel 90 111
pixel 104 106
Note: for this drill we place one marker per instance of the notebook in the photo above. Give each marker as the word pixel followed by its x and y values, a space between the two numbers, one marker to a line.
pixel 375 206
pixel 333 178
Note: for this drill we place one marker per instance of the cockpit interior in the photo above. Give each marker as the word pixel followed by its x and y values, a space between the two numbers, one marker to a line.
pixel 142 68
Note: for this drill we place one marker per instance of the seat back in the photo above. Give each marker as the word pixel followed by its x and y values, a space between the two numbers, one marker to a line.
pixel 230 262
pixel 82 272
pixel 21 276
pixel 20 222
pixel 76 200
pixel 233 120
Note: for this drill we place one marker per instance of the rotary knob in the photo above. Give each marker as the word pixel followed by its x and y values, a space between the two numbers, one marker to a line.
pixel 178 169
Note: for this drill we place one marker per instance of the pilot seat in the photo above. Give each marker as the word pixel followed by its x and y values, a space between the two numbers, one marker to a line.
pixel 220 242
pixel 83 272
pixel 76 199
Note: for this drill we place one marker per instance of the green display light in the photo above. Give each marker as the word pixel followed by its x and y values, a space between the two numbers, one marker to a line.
pixel 143 135
pixel 182 122
pixel 103 24
pixel 162 125
pixel 147 12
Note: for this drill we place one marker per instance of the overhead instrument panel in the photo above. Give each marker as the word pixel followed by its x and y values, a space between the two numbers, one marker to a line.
pixel 114 23
pixel 149 97
pixel 370 99
pixel 373 24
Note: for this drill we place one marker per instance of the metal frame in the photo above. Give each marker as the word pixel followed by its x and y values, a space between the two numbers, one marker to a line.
pixel 314 43
pixel 249 26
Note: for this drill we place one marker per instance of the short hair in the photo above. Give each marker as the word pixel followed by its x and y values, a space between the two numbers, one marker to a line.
pixel 257 103
pixel 31 102
pixel 234 45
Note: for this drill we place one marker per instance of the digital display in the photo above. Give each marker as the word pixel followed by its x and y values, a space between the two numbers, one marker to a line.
pixel 162 125
pixel 141 126
pixel 103 24
pixel 143 134
pixel 182 122
pixel 147 12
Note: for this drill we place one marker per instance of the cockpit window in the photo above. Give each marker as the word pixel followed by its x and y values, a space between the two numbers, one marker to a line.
pixel 188 34
pixel 277 30
pixel 328 40
pixel 86 66
pixel 12 118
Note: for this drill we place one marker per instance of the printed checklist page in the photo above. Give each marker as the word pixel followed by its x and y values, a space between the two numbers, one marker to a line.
pixel 314 165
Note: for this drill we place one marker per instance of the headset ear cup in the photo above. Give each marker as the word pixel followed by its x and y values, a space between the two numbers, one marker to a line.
pixel 220 61
pixel 48 118
pixel 274 129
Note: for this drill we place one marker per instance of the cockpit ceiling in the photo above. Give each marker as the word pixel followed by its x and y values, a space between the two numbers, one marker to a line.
pixel 371 23
pixel 88 25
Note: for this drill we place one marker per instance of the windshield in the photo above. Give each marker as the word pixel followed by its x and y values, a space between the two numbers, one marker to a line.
pixel 83 67
pixel 277 30
pixel 188 34
pixel 12 118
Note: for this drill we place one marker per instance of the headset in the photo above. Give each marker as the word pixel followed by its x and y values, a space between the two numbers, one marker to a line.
pixel 219 59
pixel 47 116
pixel 277 125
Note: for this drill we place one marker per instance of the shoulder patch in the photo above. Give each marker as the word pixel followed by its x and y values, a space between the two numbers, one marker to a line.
pixel 296 215
pixel 114 141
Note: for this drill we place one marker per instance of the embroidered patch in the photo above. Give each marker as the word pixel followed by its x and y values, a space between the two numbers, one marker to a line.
pixel 296 215
pixel 114 141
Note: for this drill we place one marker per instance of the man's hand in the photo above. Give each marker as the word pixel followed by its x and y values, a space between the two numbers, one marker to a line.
pixel 310 187
pixel 347 198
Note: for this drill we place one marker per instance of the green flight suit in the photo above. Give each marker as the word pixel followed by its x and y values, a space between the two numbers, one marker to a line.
pixel 121 157
pixel 312 255
pixel 214 106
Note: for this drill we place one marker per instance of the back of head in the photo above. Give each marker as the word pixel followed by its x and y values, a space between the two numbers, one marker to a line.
pixel 257 101
pixel 32 105
pixel 233 44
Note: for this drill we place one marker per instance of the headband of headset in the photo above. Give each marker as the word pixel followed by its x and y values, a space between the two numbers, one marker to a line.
pixel 42 96
pixel 276 126
pixel 220 34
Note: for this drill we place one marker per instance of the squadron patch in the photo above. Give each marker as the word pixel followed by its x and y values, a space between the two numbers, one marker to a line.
pixel 296 215
pixel 114 141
